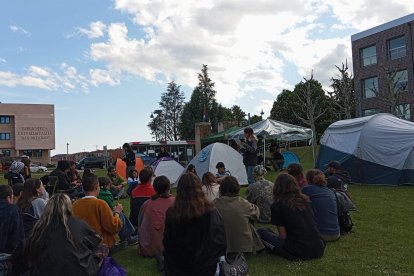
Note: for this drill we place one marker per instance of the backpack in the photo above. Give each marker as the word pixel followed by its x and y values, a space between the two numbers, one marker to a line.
pixel 344 206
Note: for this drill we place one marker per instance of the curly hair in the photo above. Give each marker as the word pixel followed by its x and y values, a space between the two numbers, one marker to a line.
pixel 190 201
pixel 287 191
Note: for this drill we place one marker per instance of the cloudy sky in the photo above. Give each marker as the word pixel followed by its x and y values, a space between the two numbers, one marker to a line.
pixel 104 64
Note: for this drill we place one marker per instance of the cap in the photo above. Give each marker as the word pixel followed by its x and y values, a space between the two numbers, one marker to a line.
pixel 334 164
pixel 16 167
pixel 220 165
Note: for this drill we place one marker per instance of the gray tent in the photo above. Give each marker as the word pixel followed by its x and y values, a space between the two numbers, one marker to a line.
pixel 271 129
pixel 207 159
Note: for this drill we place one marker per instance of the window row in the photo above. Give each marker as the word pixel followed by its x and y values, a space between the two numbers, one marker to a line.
pixel 396 48
pixel 402 111
pixel 395 81
pixel 37 153
pixel 5 152
pixel 4 119
pixel 4 136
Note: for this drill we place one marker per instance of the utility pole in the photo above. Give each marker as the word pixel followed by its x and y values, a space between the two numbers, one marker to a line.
pixel 67 151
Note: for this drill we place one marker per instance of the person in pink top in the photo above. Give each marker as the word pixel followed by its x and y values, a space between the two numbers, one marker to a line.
pixel 151 220
pixel 296 171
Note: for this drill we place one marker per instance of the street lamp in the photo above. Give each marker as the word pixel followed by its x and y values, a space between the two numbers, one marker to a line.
pixel 67 151
pixel 261 114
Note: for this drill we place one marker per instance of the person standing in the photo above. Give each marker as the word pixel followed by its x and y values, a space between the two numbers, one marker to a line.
pixel 129 158
pixel 249 149
pixel 163 153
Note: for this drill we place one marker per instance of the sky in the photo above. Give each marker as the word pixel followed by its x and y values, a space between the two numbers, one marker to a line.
pixel 104 64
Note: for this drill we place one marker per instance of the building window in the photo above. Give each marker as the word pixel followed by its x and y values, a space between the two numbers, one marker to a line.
pixel 397 48
pixel 27 153
pixel 6 152
pixel 400 81
pixel 369 112
pixel 5 136
pixel 369 56
pixel 403 111
pixel 4 119
pixel 370 87
pixel 37 153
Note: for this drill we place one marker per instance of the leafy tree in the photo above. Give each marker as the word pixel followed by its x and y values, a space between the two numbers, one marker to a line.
pixel 343 94
pixel 283 106
pixel 208 94
pixel 192 113
pixel 255 118
pixel 165 124
pixel 238 115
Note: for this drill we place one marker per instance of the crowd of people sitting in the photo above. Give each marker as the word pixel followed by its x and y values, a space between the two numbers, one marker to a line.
pixel 81 223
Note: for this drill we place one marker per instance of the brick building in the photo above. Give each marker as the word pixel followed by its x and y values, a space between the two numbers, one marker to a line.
pixel 27 129
pixel 383 66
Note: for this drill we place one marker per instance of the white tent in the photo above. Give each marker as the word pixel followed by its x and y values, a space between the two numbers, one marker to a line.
pixel 271 129
pixel 168 167
pixel 207 159
pixel 377 149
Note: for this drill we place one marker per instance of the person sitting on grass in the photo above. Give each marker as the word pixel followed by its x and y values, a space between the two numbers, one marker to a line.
pixel 117 187
pixel 64 184
pixel 11 222
pixel 210 186
pixel 32 203
pixel 15 173
pixel 260 193
pixel 277 159
pixel 194 235
pixel 296 171
pixel 133 181
pixel 73 174
pixel 61 244
pixel 221 172
pixel 151 220
pixel 127 230
pixel 298 238
pixel 141 193
pixel 97 213
pixel 335 170
pixel 324 205
pixel 238 215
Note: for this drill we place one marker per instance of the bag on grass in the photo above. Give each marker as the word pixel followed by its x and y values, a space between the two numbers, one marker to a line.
pixel 344 206
pixel 110 267
pixel 237 267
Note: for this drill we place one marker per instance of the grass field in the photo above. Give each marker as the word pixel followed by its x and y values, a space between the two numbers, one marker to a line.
pixel 382 242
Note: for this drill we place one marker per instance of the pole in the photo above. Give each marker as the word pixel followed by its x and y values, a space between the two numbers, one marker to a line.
pixel 67 151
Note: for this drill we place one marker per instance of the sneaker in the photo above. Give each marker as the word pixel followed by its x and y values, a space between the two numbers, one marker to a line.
pixel 119 246
pixel 132 240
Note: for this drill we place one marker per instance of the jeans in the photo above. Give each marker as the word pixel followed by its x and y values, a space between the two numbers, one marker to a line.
pixel 249 171
pixel 127 227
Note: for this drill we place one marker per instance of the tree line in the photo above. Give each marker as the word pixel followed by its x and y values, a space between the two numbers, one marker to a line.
pixel 306 105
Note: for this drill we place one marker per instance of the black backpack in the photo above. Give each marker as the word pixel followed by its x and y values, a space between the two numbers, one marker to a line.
pixel 344 206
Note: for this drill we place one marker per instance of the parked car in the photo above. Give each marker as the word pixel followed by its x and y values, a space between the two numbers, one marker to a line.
pixel 145 158
pixel 90 162
pixel 34 168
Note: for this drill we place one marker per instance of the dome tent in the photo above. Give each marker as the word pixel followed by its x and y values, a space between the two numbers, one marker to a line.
pixel 168 167
pixel 377 149
pixel 207 159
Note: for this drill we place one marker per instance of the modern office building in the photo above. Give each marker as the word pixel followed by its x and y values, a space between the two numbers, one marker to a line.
pixel 27 129
pixel 383 68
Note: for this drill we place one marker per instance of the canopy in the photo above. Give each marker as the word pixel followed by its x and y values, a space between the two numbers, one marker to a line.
pixel 271 129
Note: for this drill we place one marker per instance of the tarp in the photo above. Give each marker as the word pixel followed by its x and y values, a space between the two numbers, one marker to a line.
pixel 290 157
pixel 121 167
pixel 168 167
pixel 207 159
pixel 219 136
pixel 376 149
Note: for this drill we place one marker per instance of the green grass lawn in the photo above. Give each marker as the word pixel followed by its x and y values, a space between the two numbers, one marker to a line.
pixel 382 242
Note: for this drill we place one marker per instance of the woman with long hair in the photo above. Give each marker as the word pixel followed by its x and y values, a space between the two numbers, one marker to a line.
pixel 298 238
pixel 210 186
pixel 194 236
pixel 61 244
pixel 151 219
pixel 296 171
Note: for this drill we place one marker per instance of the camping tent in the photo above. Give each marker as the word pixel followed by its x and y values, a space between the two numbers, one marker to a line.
pixel 168 167
pixel 271 129
pixel 377 149
pixel 207 159
pixel 121 167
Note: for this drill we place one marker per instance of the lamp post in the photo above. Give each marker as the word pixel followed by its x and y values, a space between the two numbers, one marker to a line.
pixel 67 151
pixel 261 114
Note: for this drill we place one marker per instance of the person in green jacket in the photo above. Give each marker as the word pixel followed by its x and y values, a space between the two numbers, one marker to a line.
pixel 104 193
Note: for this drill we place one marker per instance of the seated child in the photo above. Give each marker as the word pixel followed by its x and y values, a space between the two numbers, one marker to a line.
pixel 221 172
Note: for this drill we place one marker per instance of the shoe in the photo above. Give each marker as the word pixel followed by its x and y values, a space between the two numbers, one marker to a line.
pixel 119 246
pixel 132 240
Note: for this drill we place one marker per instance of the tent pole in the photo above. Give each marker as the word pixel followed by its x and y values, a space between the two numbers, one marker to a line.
pixel 264 151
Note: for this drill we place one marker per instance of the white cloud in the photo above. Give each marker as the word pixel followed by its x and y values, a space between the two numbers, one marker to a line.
pixel 96 30
pixel 19 30
pixel 2 60
pixel 99 76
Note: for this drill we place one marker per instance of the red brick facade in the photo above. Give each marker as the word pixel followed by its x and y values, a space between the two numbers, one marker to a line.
pixel 380 36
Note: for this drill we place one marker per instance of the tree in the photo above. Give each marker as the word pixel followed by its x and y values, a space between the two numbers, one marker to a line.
pixel 283 106
pixel 208 94
pixel 238 115
pixel 192 113
pixel 343 94
pixel 165 124
pixel 255 119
